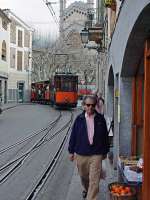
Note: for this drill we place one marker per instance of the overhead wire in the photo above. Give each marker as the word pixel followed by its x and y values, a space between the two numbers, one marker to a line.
pixel 49 5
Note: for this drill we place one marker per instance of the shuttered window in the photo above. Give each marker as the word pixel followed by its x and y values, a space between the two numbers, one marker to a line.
pixel 20 38
pixel 19 60
pixel 4 24
pixel 4 50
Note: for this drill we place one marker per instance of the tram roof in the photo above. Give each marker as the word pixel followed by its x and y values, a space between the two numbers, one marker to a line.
pixel 65 74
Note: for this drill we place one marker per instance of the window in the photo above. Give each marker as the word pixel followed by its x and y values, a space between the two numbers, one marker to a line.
pixel 4 24
pixel 20 38
pixel 4 50
pixel 58 83
pixel 66 83
pixel 19 60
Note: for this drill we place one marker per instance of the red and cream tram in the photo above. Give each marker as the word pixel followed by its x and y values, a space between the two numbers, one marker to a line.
pixel 66 90
pixel 61 90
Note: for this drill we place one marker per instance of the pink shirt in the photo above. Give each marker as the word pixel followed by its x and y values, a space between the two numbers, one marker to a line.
pixel 90 127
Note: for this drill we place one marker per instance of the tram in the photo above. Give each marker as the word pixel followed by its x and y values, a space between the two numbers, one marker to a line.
pixel 40 92
pixel 66 90
pixel 61 90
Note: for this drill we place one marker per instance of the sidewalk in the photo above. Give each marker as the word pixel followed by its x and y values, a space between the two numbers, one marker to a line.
pixel 75 189
pixel 8 105
pixel 11 105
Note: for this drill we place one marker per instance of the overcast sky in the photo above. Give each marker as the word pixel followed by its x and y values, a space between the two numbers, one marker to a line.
pixel 33 12
pixel 36 14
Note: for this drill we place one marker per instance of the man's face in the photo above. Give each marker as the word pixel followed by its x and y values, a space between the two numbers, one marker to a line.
pixel 89 106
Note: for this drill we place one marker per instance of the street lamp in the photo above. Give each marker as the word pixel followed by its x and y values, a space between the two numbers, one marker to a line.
pixel 84 36
pixel 93 34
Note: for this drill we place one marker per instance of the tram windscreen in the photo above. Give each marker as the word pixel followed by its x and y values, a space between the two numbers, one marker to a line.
pixel 66 83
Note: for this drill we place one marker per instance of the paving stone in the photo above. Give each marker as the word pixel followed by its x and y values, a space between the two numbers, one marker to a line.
pixel 75 189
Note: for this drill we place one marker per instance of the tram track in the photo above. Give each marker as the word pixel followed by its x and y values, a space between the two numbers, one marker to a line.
pixel 36 145
pixel 30 137
pixel 50 167
pixel 17 163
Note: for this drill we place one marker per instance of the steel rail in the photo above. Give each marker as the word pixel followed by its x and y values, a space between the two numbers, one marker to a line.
pixel 24 156
pixel 50 167
pixel 30 136
pixel 37 144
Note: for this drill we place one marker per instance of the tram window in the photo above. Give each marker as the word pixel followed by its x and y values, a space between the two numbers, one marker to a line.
pixel 69 85
pixel 65 86
pixel 74 87
pixel 58 83
pixel 66 83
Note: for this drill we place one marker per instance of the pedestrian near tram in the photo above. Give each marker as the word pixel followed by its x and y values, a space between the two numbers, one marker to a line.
pixel 100 103
pixel 88 145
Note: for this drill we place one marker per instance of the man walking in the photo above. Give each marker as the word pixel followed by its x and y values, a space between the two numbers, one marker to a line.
pixel 89 146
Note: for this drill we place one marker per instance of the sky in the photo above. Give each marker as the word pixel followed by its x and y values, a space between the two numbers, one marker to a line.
pixel 35 13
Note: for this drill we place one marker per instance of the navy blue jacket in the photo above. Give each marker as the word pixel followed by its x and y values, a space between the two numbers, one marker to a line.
pixel 79 142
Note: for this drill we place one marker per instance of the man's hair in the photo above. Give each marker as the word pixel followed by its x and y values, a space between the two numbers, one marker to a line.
pixel 92 97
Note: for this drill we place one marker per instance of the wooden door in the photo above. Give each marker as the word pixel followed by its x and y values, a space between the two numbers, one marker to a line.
pixel 146 146
pixel 137 115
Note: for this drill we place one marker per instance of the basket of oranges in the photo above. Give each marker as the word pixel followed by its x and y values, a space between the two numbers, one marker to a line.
pixel 121 191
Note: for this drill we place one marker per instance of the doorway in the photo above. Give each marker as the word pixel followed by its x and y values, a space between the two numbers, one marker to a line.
pixel 146 137
pixel 20 92
pixel 5 92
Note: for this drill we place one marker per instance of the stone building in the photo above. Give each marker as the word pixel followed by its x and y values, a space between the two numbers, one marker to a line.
pixel 127 84
pixel 74 17
pixel 19 59
pixel 68 53
pixel 81 60
pixel 106 17
pixel 4 55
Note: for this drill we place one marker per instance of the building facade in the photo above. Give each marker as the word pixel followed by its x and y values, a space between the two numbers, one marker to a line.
pixel 74 17
pixel 127 84
pixel 4 55
pixel 106 16
pixel 19 78
pixel 82 60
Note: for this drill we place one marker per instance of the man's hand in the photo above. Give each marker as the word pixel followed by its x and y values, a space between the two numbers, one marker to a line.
pixel 71 157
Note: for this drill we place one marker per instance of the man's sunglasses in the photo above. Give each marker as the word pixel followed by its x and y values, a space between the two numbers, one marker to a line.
pixel 88 105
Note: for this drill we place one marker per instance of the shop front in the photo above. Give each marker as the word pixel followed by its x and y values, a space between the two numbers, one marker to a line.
pixel 131 104
pixel 3 87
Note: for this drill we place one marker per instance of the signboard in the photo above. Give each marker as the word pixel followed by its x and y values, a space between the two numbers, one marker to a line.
pixel 95 34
